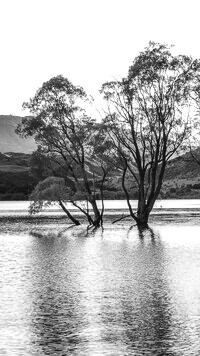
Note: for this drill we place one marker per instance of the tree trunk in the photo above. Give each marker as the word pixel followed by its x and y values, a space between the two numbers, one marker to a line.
pixel 75 221
pixel 142 218
pixel 97 215
pixel 83 211
pixel 142 211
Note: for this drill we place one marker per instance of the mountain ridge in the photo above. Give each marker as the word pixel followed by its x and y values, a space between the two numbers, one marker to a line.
pixel 181 180
pixel 10 141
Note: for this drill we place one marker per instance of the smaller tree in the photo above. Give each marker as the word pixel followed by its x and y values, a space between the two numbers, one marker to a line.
pixel 66 133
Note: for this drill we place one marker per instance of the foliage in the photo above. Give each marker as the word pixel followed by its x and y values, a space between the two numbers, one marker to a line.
pixel 47 193
pixel 39 164
pixel 15 185
pixel 50 191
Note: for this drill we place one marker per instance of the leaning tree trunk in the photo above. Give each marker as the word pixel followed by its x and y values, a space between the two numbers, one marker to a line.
pixel 97 215
pixel 74 220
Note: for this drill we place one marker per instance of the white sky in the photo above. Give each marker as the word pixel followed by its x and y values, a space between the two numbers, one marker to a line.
pixel 88 41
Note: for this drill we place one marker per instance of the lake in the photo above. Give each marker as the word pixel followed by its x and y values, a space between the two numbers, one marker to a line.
pixel 75 291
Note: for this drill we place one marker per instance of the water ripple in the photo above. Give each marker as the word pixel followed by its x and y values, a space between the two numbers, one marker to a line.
pixel 113 291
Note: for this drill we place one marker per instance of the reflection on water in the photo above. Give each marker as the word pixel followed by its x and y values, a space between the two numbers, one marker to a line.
pixel 112 291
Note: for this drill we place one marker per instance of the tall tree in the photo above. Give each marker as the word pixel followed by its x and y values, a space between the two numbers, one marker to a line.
pixel 61 126
pixel 148 119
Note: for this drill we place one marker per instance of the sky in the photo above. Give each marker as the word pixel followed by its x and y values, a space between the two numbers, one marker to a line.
pixel 87 41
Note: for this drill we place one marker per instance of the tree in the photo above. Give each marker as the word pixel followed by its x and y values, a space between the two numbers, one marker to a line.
pixel 148 120
pixel 62 128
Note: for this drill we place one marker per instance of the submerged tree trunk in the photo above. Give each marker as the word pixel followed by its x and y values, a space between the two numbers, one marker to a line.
pixel 86 213
pixel 142 211
pixel 97 215
pixel 142 218
pixel 91 198
pixel 74 220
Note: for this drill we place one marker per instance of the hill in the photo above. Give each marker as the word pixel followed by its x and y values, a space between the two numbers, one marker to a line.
pixel 9 140
pixel 17 180
pixel 182 176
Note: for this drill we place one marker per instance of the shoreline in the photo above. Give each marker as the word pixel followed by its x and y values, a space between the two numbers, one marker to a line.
pixel 187 216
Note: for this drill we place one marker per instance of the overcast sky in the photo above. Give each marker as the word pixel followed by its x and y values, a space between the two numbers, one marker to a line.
pixel 88 41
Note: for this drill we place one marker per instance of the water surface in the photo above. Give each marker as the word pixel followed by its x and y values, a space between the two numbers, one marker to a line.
pixel 12 208
pixel 118 291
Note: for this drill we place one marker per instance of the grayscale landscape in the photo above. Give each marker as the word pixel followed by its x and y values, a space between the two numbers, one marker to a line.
pixel 99 178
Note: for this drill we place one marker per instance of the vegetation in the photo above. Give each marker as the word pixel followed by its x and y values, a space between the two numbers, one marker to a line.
pixel 149 119
pixel 16 185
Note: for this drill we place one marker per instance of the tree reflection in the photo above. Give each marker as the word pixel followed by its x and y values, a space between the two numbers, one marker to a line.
pixel 148 318
pixel 97 294
pixel 141 308
pixel 146 231
pixel 56 315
